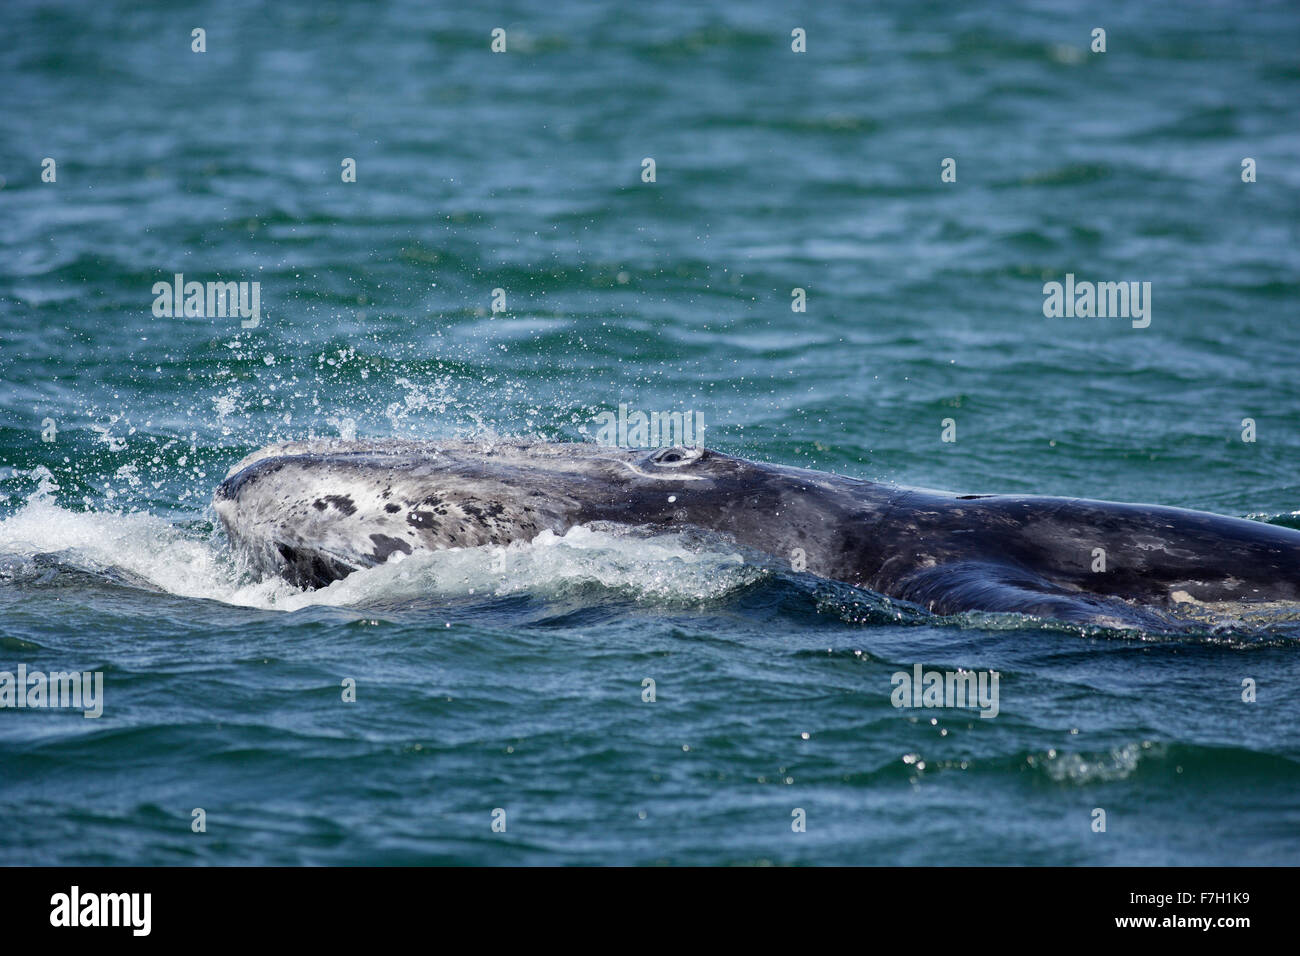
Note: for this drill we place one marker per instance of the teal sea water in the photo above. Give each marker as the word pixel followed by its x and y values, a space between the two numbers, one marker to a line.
pixel 521 689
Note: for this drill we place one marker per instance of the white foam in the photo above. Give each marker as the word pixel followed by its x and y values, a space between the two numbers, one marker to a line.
pixel 660 570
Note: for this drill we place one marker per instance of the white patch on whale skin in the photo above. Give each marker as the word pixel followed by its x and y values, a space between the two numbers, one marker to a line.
pixel 359 519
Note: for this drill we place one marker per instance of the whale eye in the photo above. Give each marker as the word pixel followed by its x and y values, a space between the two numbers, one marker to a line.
pixel 676 456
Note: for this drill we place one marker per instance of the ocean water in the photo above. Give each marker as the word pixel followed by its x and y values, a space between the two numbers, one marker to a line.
pixel 511 679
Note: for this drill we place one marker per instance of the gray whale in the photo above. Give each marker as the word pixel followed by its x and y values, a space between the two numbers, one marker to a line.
pixel 316 511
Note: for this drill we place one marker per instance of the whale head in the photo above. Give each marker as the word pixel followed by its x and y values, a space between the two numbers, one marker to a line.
pixel 316 511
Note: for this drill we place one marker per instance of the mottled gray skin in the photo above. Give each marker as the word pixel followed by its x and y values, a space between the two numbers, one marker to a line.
pixel 314 512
